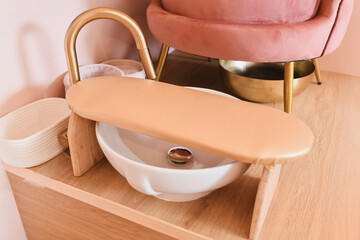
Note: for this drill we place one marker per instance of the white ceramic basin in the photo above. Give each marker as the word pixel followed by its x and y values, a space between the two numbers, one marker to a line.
pixel 143 161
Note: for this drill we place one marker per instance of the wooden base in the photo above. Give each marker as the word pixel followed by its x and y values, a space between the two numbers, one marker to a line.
pixel 49 214
pixel 224 214
pixel 84 147
pixel 264 196
pixel 50 197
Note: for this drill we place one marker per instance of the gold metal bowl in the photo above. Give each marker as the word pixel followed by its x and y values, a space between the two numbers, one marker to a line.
pixel 263 82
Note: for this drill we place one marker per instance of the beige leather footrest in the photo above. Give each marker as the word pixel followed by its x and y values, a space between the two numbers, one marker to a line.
pixel 239 130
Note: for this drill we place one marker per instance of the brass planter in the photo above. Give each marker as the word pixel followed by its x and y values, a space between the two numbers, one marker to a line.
pixel 263 82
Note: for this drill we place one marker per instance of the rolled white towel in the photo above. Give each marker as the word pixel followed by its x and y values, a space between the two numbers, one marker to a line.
pixel 94 70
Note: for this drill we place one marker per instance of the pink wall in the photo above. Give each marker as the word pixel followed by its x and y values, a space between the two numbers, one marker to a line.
pixel 346 58
pixel 32 44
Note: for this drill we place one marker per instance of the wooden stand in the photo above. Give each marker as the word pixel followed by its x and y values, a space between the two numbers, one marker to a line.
pixel 81 133
pixel 267 187
pixel 101 205
pixel 241 131
pixel 145 110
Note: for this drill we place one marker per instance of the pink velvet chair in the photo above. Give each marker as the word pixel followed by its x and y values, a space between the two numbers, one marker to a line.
pixel 252 30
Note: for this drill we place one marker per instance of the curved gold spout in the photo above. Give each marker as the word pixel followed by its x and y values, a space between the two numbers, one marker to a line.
pixel 104 13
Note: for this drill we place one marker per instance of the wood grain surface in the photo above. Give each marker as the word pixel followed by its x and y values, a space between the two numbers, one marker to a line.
pixel 84 147
pixel 49 214
pixel 317 197
pixel 265 193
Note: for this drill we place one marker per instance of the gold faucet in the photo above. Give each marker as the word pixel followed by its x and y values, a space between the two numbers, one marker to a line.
pixel 104 13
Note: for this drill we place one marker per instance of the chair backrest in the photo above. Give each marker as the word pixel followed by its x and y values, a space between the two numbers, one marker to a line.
pixel 245 11
pixel 269 12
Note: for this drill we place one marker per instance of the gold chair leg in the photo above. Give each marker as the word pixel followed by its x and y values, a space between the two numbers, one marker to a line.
pixel 288 86
pixel 163 54
pixel 317 71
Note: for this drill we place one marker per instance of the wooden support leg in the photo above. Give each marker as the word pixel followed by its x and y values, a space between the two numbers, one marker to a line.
pixel 84 147
pixel 317 71
pixel 288 86
pixel 163 54
pixel 264 195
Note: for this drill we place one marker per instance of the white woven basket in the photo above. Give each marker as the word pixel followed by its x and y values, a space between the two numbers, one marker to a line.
pixel 29 135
